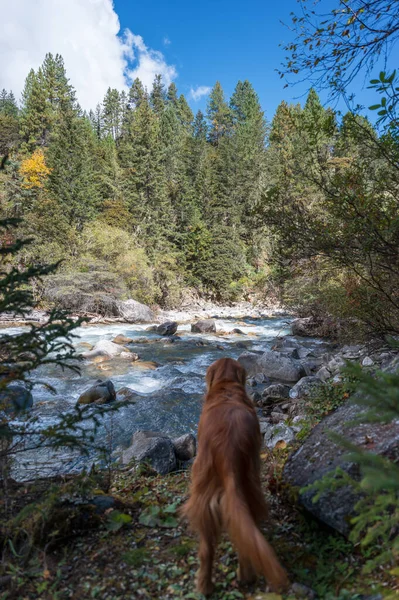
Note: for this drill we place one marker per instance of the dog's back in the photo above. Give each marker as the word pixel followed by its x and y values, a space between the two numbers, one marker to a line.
pixel 226 491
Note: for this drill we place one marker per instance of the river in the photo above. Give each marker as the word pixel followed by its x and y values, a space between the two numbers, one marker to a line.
pixel 169 378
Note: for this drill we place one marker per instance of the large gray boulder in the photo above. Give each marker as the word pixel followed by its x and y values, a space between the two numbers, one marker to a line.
pixel 100 393
pixel 167 328
pixel 274 393
pixel 319 455
pixel 204 326
pixel 134 312
pixel 272 364
pixel 153 447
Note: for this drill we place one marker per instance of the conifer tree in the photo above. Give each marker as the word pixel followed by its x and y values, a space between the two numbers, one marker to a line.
pixel 112 114
pixel 72 182
pixel 158 96
pixel 219 115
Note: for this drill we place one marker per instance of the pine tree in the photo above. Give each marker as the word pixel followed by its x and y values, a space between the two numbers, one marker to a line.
pixel 112 114
pixel 158 96
pixel 219 115
pixel 171 95
pixel 143 177
pixel 72 182
pixel 8 104
pixel 249 140
pixel 35 112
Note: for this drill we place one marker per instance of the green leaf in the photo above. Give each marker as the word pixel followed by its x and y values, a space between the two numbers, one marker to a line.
pixel 116 520
pixel 149 516
pixel 168 522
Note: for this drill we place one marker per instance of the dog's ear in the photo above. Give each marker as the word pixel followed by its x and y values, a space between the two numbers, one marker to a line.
pixel 210 376
pixel 242 374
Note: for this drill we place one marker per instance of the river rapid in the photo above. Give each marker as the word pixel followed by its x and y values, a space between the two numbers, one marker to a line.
pixel 170 378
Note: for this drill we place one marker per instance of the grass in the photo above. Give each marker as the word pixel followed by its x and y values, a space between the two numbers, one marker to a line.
pixel 132 560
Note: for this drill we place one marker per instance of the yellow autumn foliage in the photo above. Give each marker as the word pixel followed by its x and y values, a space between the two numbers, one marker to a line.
pixel 34 170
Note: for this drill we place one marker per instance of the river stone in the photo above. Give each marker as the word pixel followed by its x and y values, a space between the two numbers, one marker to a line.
pixel 204 326
pixel 16 397
pixel 167 328
pixel 154 447
pixel 105 348
pixel 319 455
pixel 100 393
pixel 127 394
pixel 135 312
pixel 122 339
pixel 275 392
pixel 304 387
pixel 278 433
pixel 272 364
pixel 185 447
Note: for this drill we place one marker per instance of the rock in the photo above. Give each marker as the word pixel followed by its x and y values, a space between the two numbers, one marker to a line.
pixel 277 417
pixel 154 447
pixel 264 425
pixel 351 351
pixel 105 348
pixel 185 447
pixel 336 364
pixel 152 328
pixel 304 353
pixel 304 387
pixel 127 394
pixel 367 362
pixel 315 327
pixel 275 392
pixel 16 397
pixel 134 312
pixel 129 356
pixel 252 382
pixel 276 434
pixel 121 339
pixel 100 393
pixel 272 364
pixel 167 328
pixel 243 345
pixel 319 455
pixel 204 326
pixel 323 374
pixel 237 331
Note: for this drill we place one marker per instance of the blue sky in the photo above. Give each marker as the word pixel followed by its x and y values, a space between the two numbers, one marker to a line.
pixel 107 43
pixel 223 40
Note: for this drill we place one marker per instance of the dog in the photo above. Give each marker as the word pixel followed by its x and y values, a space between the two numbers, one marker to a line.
pixel 225 491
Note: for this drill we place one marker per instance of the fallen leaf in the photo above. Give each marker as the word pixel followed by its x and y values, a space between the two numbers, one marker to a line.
pixel 281 445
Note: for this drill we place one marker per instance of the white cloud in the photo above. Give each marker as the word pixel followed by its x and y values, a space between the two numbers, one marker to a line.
pixel 87 34
pixel 166 41
pixel 148 63
pixel 200 91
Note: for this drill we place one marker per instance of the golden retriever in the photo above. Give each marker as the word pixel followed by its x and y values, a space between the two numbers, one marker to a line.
pixel 225 490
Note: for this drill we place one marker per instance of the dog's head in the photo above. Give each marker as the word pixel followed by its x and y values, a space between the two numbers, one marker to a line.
pixel 225 369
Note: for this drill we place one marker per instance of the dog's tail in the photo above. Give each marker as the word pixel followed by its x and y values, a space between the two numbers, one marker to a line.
pixel 249 541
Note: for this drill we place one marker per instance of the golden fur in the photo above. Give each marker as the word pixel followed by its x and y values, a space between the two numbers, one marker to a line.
pixel 225 489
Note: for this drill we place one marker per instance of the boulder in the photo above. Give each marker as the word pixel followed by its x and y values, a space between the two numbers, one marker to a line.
pixel 320 455
pixel 272 364
pixel 122 339
pixel 167 328
pixel 105 348
pixel 315 327
pixel 277 434
pixel 275 392
pixel 204 326
pixel 185 447
pixel 135 312
pixel 127 394
pixel 100 393
pixel 237 331
pixel 153 447
pixel 304 387
pixel 16 397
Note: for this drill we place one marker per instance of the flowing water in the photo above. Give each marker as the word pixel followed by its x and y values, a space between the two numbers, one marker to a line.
pixel 170 378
